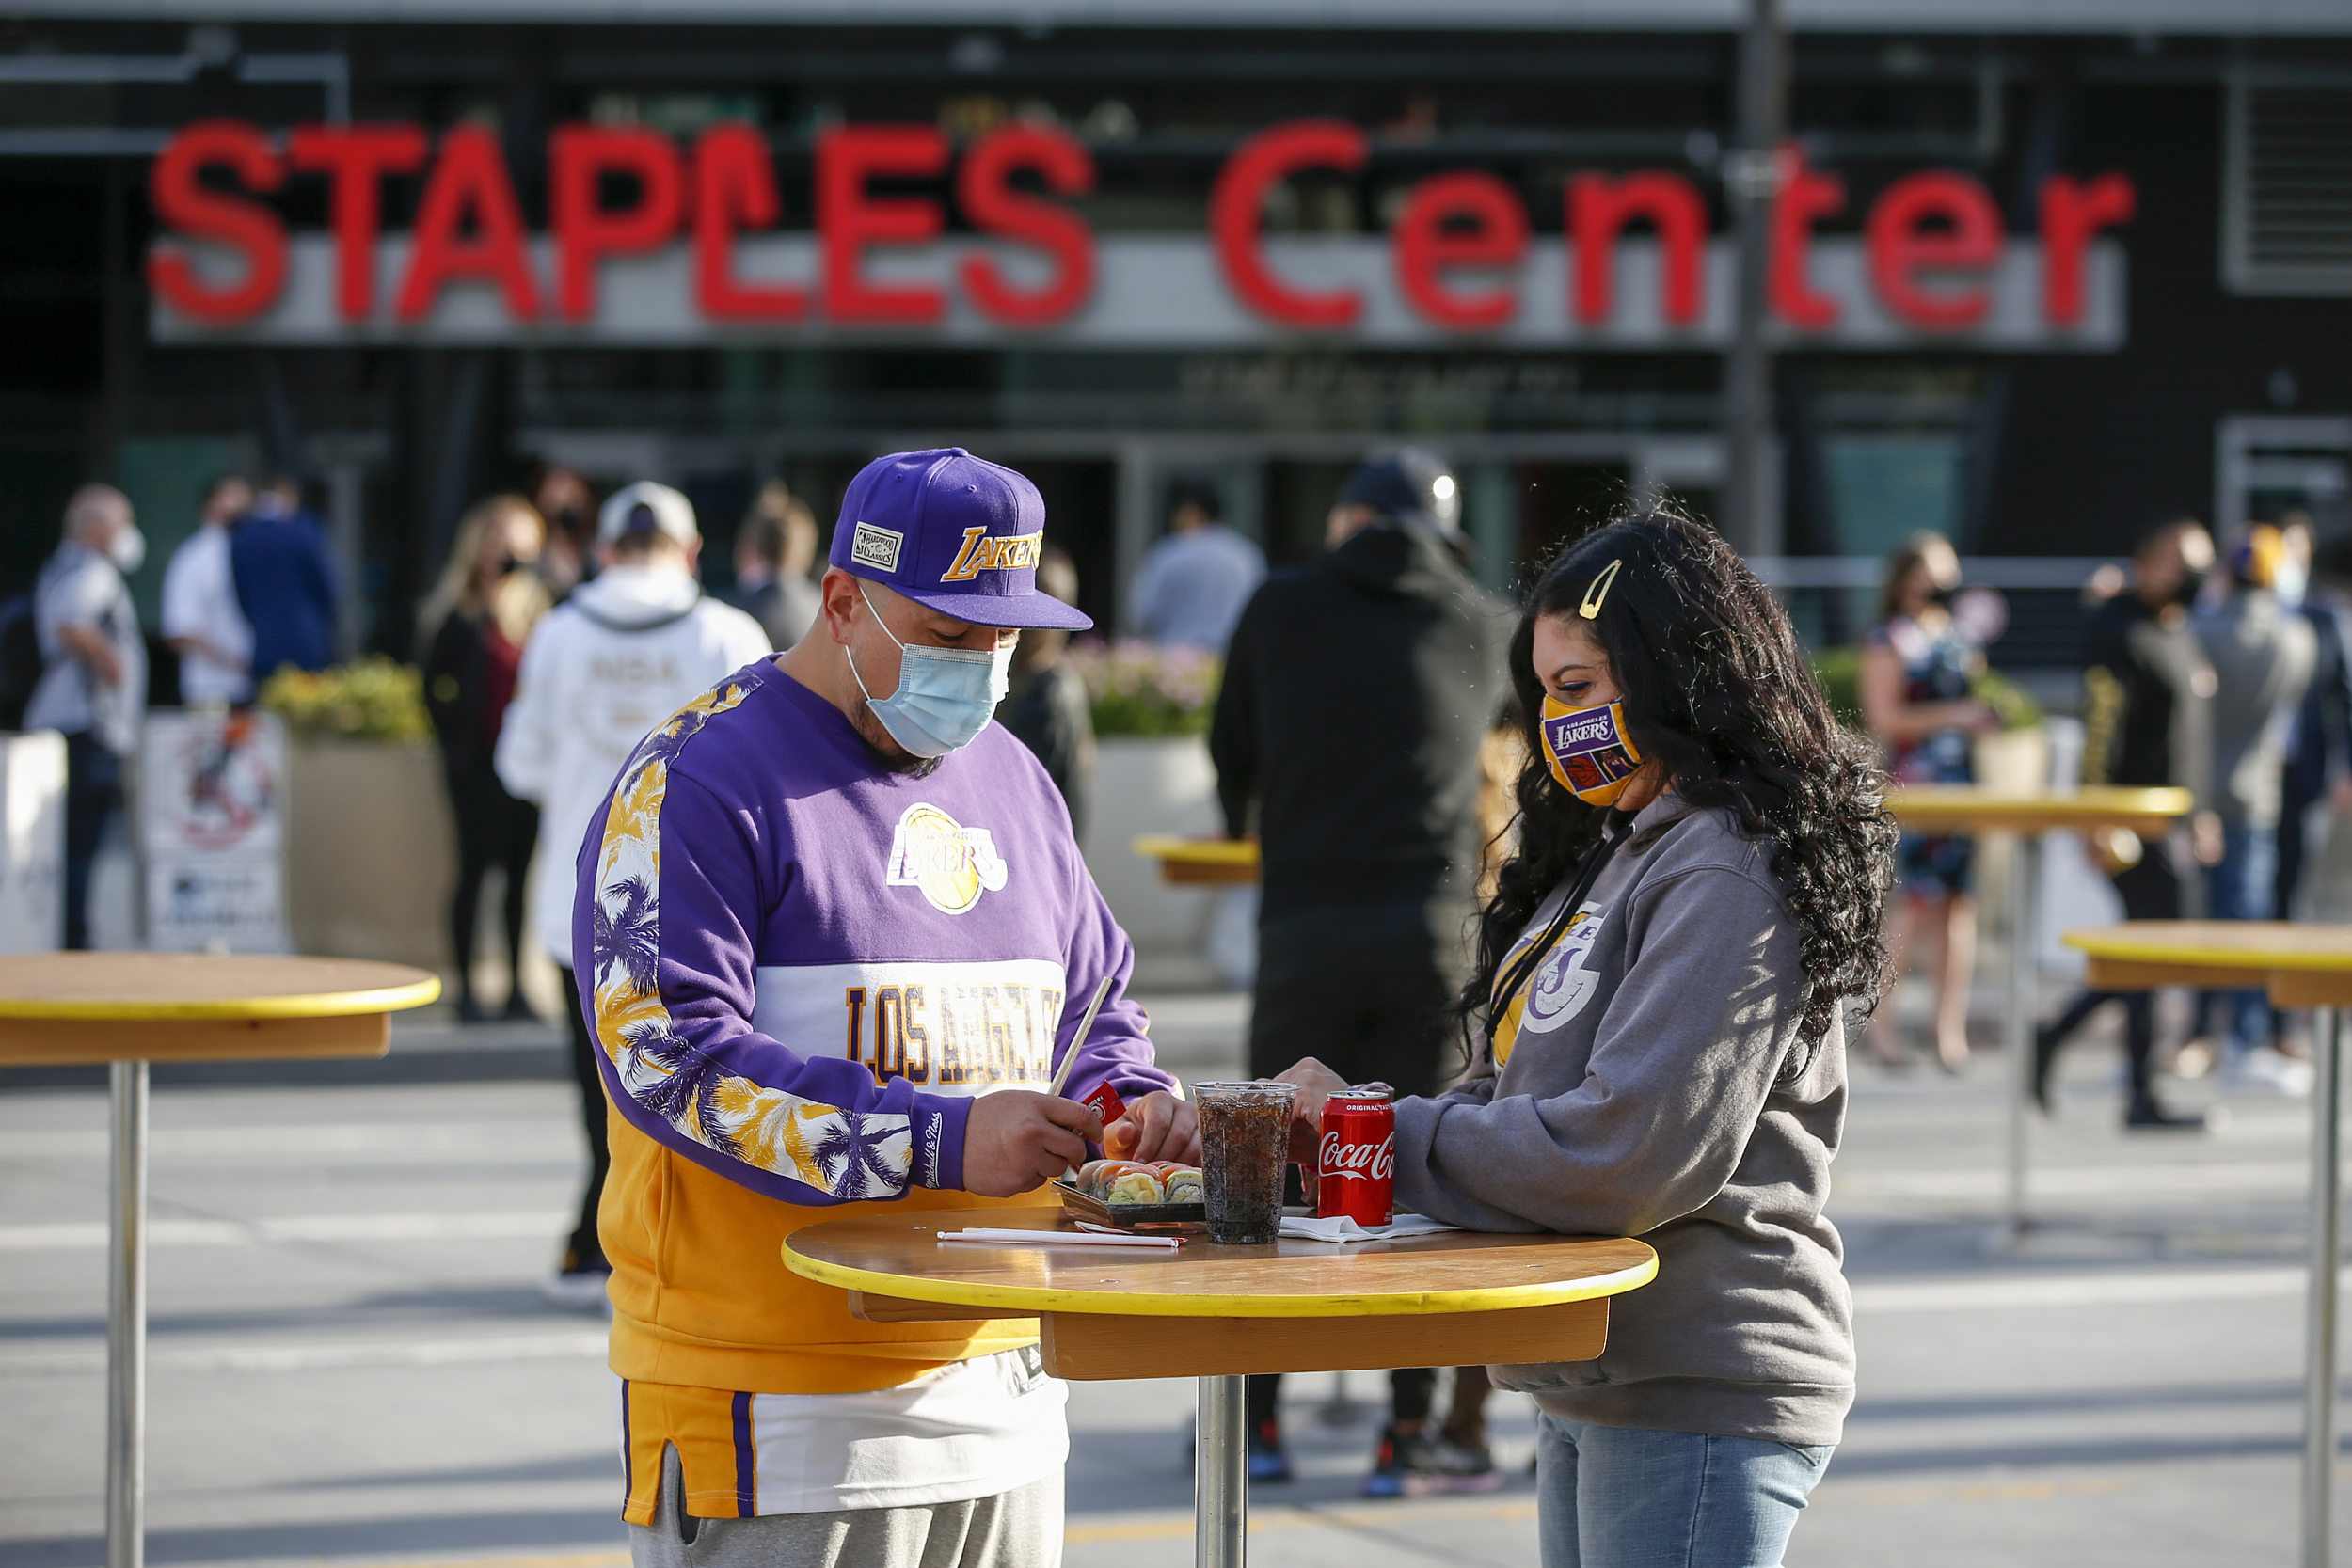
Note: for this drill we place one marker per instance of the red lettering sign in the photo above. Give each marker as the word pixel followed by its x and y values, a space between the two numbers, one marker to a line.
pixel 1598 209
pixel 1237 217
pixel 579 158
pixel 850 220
pixel 1496 237
pixel 990 201
pixel 1806 197
pixel 1933 240
pixel 1933 221
pixel 2071 213
pixel 735 184
pixel 355 158
pixel 186 204
pixel 468 180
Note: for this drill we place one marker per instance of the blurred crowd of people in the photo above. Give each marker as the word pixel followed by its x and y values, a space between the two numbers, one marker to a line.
pixel 2222 671
pixel 251 590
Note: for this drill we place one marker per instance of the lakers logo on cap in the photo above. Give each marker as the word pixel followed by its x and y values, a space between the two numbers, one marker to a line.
pixel 986 552
pixel 951 864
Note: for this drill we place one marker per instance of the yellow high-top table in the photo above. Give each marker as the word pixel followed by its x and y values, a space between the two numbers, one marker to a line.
pixel 1202 862
pixel 2301 966
pixel 128 1009
pixel 1970 809
pixel 1218 1313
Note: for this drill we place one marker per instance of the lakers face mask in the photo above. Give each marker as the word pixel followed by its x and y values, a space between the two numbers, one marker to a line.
pixel 1588 749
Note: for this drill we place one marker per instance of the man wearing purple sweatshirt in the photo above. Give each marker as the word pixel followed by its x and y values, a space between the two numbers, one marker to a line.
pixel 835 938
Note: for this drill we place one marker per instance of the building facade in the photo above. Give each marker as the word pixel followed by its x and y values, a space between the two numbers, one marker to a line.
pixel 2042 274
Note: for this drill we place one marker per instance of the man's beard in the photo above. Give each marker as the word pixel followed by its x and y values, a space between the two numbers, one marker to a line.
pixel 869 729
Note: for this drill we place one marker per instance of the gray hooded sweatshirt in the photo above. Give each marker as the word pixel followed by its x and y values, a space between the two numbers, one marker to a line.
pixel 1655 1086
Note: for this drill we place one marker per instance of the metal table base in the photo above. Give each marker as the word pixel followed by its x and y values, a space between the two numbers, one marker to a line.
pixel 1220 1474
pixel 2319 1334
pixel 126 1316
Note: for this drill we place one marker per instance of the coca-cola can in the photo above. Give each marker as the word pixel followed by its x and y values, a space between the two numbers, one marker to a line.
pixel 1355 1157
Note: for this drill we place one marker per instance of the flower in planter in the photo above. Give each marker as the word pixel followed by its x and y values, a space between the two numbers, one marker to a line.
pixel 377 699
pixel 1143 688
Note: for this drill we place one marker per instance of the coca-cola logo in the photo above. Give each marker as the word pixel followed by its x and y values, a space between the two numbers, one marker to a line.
pixel 1358 1162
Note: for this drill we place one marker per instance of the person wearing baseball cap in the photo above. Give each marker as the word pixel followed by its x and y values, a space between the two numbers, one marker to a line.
pixel 597 672
pixel 835 938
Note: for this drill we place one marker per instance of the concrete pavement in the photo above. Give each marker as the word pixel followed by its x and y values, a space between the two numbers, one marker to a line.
pixel 352 1363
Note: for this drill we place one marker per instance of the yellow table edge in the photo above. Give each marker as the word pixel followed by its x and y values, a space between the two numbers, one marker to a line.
pixel 1023 1301
pixel 1200 852
pixel 2098 946
pixel 336 1003
pixel 2090 800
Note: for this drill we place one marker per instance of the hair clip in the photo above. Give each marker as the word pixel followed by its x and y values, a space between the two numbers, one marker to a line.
pixel 1590 608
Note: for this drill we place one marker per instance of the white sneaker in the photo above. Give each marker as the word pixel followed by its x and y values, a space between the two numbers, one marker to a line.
pixel 2262 1071
pixel 582 1289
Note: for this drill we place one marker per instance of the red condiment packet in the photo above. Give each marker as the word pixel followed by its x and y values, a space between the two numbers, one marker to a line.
pixel 1105 1099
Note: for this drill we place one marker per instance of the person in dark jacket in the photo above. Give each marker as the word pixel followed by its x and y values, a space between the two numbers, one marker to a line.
pixel 285 582
pixel 474 625
pixel 2147 693
pixel 2319 758
pixel 1047 707
pixel 774 550
pixel 1357 691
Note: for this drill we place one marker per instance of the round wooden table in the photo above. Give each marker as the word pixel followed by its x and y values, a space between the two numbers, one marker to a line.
pixel 1972 809
pixel 128 1009
pixel 1219 1313
pixel 2301 966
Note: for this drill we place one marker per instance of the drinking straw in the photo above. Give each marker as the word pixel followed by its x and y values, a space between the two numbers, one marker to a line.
pixel 1061 1073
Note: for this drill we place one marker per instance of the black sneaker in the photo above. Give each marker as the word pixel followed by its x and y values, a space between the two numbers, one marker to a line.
pixel 579 1282
pixel 1428 1462
pixel 518 1008
pixel 2148 1115
pixel 1267 1462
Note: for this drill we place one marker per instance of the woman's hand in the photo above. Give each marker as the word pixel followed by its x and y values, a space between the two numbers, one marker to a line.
pixel 1159 1126
pixel 1316 1083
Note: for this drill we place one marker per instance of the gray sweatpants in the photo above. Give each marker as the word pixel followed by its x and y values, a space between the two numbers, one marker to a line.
pixel 1019 1529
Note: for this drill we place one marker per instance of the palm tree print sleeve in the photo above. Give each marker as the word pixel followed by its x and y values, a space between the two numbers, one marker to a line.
pixel 671 892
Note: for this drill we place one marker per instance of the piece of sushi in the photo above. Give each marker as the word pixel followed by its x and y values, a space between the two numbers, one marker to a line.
pixel 1182 1185
pixel 1134 1185
pixel 1090 1174
pixel 1107 1171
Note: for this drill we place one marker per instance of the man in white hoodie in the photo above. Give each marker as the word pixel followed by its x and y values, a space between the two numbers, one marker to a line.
pixel 625 650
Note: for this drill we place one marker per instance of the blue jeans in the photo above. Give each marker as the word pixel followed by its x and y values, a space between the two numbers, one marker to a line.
pixel 1627 1498
pixel 2242 887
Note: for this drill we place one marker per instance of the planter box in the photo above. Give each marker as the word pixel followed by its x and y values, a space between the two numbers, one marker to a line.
pixel 1151 787
pixel 370 852
pixel 32 842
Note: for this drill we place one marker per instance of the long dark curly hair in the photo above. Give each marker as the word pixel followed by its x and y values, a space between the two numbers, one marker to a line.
pixel 1715 690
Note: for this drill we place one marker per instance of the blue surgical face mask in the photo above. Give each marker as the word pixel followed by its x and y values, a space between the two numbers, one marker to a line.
pixel 945 696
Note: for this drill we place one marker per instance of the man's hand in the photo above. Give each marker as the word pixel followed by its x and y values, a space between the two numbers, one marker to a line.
pixel 1316 1083
pixel 2204 831
pixel 1159 1126
pixel 1015 1141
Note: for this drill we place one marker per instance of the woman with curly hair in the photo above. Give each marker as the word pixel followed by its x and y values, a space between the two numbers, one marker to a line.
pixel 1657 1046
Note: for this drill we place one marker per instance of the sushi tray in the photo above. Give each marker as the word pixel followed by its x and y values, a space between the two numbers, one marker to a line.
pixel 1097 1196
pixel 1128 1216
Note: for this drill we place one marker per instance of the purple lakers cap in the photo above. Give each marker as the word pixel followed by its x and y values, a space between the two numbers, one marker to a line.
pixel 955 533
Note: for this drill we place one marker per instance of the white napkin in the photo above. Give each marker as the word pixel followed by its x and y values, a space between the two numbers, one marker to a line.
pixel 1300 1228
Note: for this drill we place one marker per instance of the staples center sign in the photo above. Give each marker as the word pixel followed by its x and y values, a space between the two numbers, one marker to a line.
pixel 693 256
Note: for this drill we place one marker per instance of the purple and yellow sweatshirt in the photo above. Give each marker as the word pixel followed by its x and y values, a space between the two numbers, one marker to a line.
pixel 800 968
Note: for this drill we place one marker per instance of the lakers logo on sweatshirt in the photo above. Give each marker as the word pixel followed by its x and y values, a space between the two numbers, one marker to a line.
pixel 1558 990
pixel 951 864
